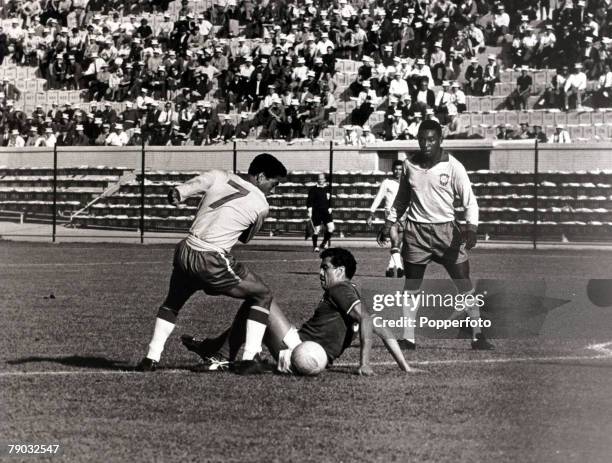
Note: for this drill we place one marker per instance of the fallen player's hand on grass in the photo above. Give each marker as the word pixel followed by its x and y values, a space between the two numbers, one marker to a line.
pixel 365 370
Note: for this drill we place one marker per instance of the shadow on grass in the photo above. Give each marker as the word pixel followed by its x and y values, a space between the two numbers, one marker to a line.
pixel 95 363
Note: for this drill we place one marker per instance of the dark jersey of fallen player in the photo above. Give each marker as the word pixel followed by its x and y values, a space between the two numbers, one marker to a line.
pixel 331 325
pixel 318 198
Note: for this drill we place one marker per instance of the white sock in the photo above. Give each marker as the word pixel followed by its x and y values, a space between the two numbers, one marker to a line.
pixel 473 311
pixel 391 262
pixel 397 260
pixel 410 312
pixel 254 335
pixel 292 339
pixel 161 333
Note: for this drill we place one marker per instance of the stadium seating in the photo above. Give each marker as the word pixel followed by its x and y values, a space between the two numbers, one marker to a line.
pixel 576 205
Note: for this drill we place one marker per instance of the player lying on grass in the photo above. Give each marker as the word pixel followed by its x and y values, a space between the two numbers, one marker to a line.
pixel 331 325
pixel 231 209
pixel 431 181
pixel 387 192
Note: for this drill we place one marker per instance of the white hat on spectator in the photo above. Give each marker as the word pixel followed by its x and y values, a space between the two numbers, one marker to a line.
pixel 395 21
pixel 397 113
pixel 9 102
pixel 366 83
pixel 264 60
pixel 136 40
pixel 348 127
pixel 40 106
pixel 560 126
pixel 64 116
pixel 249 59
pixel 118 126
pixel 128 104
pixel 310 73
pixel 438 44
pixel 98 120
pixel 344 23
pixel 375 27
pixel 492 57
pixel 301 60
pixel 227 117
pixel 455 84
pixel 418 25
pixel 524 18
pixel 549 27
pixel 388 48
pixel 318 59
pixel 316 99
pixel 524 67
pixel 14 132
pixel 107 103
pixel 445 83
pixel 48 130
pixel 366 128
pixel 79 127
pixel 578 65
pixel 207 104
pixel 397 59
pixel 473 60
pixel 581 2
pixel 137 130
pixel 452 110
pixel 295 102
pixel 33 129
pixel 430 20
pixel 445 19
pixel 155 103
pixel 588 39
pixel 420 61
pixel 411 10
pixel 429 111
pixel 404 21
pixel 501 6
pixel 244 115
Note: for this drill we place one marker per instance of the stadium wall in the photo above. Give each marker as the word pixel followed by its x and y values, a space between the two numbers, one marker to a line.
pixel 496 156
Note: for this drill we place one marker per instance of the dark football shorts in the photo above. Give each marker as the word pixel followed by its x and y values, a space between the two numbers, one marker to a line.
pixel 210 271
pixel 321 217
pixel 438 242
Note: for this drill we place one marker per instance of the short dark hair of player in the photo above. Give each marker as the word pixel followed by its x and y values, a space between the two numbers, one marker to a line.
pixel 430 124
pixel 397 163
pixel 341 257
pixel 268 165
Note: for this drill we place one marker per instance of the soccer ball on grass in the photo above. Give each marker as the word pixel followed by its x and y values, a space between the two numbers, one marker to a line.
pixel 308 359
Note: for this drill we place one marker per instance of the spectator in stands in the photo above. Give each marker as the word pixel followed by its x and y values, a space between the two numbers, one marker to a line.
pixel 575 86
pixel 118 137
pixel 453 128
pixel 546 47
pixel 491 75
pixel 561 135
pixel 539 134
pixel 458 97
pixel 399 127
pixel 80 139
pixel 423 97
pixel 367 137
pixel 603 95
pixel 15 140
pixel 504 132
pixel 351 137
pixel 50 140
pixel 243 128
pixel 413 126
pixel 474 78
pixel 519 98
pixel 554 94
pixel 523 133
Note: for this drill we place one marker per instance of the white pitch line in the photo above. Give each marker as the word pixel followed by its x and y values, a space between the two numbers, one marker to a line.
pixel 604 349
pixel 138 262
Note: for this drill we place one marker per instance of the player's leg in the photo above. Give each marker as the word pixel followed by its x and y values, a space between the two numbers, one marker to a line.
pixel 460 274
pixel 396 265
pixel 255 292
pixel 179 292
pixel 412 285
pixel 327 234
pixel 315 235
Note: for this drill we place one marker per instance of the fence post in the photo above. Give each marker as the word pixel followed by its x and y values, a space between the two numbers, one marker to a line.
pixel 235 157
pixel 536 181
pixel 142 192
pixel 331 172
pixel 54 227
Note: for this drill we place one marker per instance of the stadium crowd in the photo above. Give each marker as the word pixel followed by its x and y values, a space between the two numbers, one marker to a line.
pixel 275 63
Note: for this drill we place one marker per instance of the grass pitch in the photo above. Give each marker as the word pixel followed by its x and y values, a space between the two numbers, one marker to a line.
pixel 75 317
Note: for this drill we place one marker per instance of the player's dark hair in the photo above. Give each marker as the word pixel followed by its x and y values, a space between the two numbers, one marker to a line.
pixel 268 165
pixel 430 124
pixel 397 163
pixel 341 257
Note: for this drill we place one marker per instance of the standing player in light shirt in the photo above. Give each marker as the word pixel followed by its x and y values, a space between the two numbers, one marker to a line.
pixel 232 209
pixel 431 182
pixel 387 192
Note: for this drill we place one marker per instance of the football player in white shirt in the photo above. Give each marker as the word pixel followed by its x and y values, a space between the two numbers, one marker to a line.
pixel 232 209
pixel 387 192
pixel 428 188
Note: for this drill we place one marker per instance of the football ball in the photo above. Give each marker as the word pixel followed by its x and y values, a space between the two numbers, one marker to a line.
pixel 308 359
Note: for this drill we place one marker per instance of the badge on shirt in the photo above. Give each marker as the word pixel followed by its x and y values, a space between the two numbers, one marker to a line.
pixel 444 179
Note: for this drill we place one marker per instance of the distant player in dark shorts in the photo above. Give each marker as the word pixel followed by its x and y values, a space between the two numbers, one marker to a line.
pixel 232 209
pixel 318 205
pixel 331 325
pixel 431 181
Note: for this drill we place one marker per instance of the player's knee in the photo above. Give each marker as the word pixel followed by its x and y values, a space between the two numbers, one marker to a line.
pixel 331 227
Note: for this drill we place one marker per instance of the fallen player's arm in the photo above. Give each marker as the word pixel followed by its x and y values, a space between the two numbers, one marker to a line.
pixel 392 346
pixel 358 314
